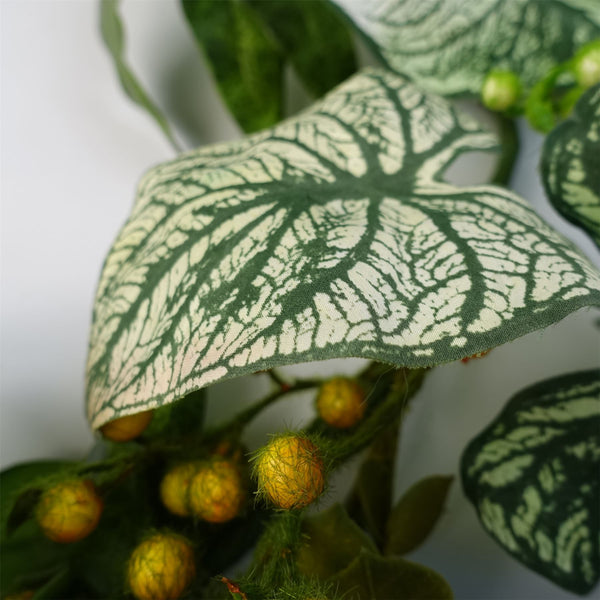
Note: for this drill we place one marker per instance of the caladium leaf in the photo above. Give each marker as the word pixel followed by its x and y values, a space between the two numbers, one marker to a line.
pixel 448 46
pixel 570 165
pixel 533 478
pixel 333 234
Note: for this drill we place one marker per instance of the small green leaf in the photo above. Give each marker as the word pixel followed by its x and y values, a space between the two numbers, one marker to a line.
pixel 28 559
pixel 532 476
pixel 20 487
pixel 333 234
pixel 570 165
pixel 246 62
pixel 372 577
pixel 370 500
pixel 473 37
pixel 416 514
pixel 112 34
pixel 314 37
pixel 331 541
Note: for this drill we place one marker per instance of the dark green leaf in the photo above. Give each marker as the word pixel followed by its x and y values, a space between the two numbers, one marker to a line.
pixel 56 587
pixel 372 577
pixel 569 166
pixel 449 46
pixel 20 487
pixel 246 62
pixel 370 500
pixel 112 34
pixel 314 38
pixel 416 513
pixel 28 560
pixel 332 541
pixel 532 475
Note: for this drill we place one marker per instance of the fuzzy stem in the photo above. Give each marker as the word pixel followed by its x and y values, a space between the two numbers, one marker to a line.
pixel 509 138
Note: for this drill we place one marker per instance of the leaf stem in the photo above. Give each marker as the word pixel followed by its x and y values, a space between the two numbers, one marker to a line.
pixel 509 138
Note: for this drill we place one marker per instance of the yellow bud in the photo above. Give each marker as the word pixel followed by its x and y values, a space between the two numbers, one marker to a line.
pixel 161 567
pixel 290 471
pixel 217 491
pixel 26 595
pixel 500 90
pixel 175 488
pixel 69 511
pixel 587 65
pixel 127 428
pixel 341 402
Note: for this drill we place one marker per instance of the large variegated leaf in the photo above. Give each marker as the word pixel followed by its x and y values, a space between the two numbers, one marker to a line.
pixel 330 235
pixel 533 476
pixel 570 162
pixel 448 46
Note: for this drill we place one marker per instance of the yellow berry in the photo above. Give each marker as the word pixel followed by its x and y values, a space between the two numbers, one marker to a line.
pixel 217 491
pixel 500 90
pixel 127 428
pixel 587 65
pixel 161 567
pixel 175 488
pixel 290 472
pixel 26 595
pixel 69 511
pixel 341 402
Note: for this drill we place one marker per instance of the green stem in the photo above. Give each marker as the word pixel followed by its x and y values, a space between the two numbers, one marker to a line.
pixel 509 138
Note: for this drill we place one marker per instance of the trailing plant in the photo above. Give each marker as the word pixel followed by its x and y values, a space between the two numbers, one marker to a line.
pixel 333 233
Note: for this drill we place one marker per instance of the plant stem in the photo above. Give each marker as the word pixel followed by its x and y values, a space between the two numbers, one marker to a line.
pixel 509 138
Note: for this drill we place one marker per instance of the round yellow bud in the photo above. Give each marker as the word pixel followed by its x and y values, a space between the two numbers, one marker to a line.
pixel 290 472
pixel 500 90
pixel 69 511
pixel 175 488
pixel 341 402
pixel 127 428
pixel 26 595
pixel 217 491
pixel 587 65
pixel 161 567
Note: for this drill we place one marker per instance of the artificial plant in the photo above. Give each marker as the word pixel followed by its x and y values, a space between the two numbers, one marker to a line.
pixel 333 233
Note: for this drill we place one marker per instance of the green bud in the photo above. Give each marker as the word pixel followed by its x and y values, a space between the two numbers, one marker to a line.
pixel 586 65
pixel 500 90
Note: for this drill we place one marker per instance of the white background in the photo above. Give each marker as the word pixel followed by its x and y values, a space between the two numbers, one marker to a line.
pixel 73 147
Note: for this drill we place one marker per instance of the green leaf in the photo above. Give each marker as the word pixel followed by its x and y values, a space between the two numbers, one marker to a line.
pixel 371 577
pixel 570 165
pixel 416 514
pixel 473 37
pixel 532 475
pixel 314 37
pixel 20 487
pixel 330 235
pixel 29 560
pixel 331 542
pixel 246 61
pixel 370 500
pixel 111 29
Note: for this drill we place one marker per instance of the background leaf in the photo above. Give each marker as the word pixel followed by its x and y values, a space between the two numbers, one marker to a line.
pixel 371 577
pixel 330 235
pixel 246 61
pixel 332 541
pixel 570 165
pixel 370 500
pixel 112 34
pixel 314 38
pixel 448 46
pixel 532 476
pixel 20 487
pixel 416 514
